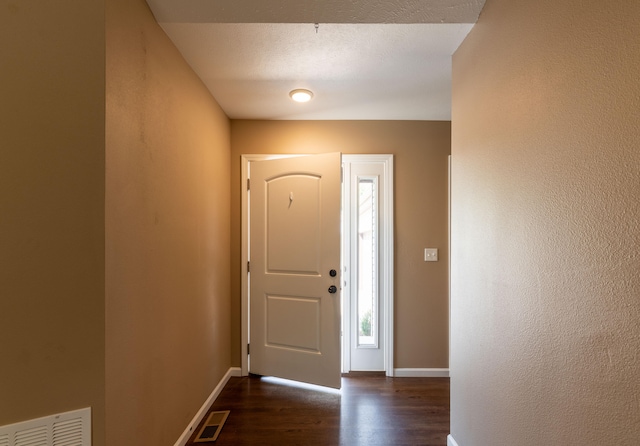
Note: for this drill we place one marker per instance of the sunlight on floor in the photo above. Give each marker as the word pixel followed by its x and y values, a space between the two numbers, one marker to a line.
pixel 300 385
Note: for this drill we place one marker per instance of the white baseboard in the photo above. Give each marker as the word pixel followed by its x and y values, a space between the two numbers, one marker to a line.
pixel 233 371
pixel 451 441
pixel 422 373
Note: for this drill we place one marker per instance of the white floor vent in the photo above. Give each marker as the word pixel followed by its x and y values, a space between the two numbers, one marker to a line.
pixel 63 429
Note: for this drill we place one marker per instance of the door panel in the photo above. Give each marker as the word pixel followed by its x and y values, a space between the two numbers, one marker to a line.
pixel 293 323
pixel 293 231
pixel 294 243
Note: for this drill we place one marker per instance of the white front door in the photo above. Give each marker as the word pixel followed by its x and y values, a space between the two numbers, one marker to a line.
pixel 294 286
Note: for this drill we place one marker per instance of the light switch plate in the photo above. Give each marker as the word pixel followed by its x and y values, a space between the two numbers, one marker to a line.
pixel 430 254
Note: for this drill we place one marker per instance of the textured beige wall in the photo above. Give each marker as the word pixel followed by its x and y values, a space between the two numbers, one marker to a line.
pixel 421 151
pixel 167 234
pixel 52 209
pixel 546 186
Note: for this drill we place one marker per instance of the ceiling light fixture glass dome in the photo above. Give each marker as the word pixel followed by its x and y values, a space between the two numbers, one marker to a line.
pixel 301 95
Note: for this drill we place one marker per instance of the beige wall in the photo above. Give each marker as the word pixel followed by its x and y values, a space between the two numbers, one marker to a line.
pixel 52 209
pixel 167 234
pixel 546 183
pixel 421 150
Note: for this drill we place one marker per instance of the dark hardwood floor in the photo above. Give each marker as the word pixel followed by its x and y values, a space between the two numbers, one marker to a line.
pixel 371 409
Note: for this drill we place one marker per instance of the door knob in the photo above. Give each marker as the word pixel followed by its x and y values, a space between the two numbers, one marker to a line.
pixel 333 289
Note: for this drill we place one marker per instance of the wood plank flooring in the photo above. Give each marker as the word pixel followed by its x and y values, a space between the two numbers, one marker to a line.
pixel 371 409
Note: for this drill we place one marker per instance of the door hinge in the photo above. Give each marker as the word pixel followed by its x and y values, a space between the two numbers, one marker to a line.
pixel 248 267
pixel 248 348
pixel 248 184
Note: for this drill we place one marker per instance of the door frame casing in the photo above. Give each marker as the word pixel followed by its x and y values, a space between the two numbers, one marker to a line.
pixel 387 266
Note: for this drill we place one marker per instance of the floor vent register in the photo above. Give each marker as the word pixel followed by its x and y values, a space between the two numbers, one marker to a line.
pixel 212 427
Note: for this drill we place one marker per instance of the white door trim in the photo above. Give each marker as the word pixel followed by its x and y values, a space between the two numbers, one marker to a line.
pixel 387 266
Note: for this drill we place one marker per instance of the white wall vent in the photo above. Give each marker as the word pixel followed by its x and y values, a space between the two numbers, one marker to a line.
pixel 63 429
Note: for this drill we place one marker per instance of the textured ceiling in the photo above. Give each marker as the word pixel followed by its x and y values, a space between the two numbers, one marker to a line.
pixel 316 11
pixel 368 59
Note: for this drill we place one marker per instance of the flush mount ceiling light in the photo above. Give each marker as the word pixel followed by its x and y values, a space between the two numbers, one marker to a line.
pixel 301 95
